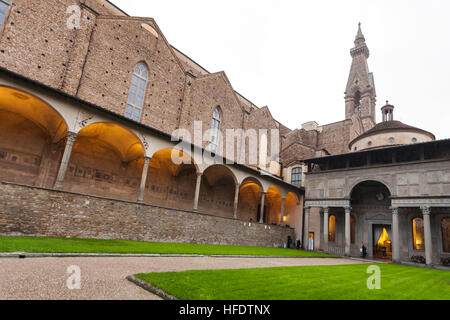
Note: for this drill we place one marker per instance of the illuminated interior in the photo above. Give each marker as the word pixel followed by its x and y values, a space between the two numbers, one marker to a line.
pixel 332 228
pixel 273 202
pixel 32 136
pixel 249 200
pixel 418 234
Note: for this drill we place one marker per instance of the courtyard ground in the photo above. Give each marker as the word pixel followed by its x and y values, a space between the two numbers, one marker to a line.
pixel 63 245
pixel 105 278
pixel 339 282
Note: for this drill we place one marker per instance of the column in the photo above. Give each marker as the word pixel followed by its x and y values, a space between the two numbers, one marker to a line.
pixel 261 212
pixel 427 230
pixel 236 201
pixel 395 236
pixel 326 218
pixel 197 190
pixel 71 137
pixel 306 228
pixel 144 179
pixel 347 231
pixel 282 211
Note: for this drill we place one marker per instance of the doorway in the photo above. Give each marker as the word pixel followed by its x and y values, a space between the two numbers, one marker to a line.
pixel 382 243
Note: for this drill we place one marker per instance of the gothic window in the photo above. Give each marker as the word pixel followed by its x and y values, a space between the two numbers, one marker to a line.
pixel 296 176
pixel 418 234
pixel 137 92
pixel 446 235
pixel 215 129
pixel 4 5
pixel 332 228
pixel 353 229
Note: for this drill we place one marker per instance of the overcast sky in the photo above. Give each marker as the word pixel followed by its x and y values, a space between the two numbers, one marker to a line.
pixel 294 56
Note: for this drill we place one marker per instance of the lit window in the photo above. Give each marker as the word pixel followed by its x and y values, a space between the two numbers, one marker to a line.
pixel 446 235
pixel 353 229
pixel 4 5
pixel 296 176
pixel 332 228
pixel 137 92
pixel 418 234
pixel 215 129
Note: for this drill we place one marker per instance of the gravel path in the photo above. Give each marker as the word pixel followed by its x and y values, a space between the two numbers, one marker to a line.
pixel 104 278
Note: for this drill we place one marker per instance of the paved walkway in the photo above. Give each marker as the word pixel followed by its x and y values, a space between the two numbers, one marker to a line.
pixel 104 278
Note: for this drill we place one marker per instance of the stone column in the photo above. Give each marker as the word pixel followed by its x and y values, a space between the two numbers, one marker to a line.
pixel 306 228
pixel 283 200
pixel 71 137
pixel 347 231
pixel 261 213
pixel 326 218
pixel 427 230
pixel 236 201
pixel 144 179
pixel 395 236
pixel 197 190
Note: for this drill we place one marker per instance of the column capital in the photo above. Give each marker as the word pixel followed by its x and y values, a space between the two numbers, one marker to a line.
pixel 71 137
pixel 347 208
pixel 394 210
pixel 199 174
pixel 326 209
pixel 426 210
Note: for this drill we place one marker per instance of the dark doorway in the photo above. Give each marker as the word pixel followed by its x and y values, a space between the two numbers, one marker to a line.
pixel 258 215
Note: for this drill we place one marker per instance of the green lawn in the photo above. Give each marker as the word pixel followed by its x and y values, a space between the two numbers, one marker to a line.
pixel 61 245
pixel 345 282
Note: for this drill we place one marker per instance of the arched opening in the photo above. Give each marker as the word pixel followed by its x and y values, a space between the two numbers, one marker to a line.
pixel 332 228
pixel 249 203
pixel 291 209
pixel 32 139
pixel 107 160
pixel 418 234
pixel 217 191
pixel 170 184
pixel 273 205
pixel 370 202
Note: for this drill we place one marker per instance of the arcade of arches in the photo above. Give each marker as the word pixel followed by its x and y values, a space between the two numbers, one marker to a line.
pixel 107 159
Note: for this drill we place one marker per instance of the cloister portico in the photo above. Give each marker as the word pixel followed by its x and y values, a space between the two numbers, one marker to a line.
pixel 408 200
pixel 88 151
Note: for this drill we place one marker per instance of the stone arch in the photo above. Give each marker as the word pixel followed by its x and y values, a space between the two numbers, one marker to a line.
pixel 32 139
pixel 217 191
pixel 372 186
pixel 107 160
pixel 273 200
pixel 171 183
pixel 249 203
pixel 361 180
pixel 291 208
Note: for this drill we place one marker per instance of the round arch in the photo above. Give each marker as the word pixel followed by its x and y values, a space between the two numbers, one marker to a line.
pixel 249 203
pixel 217 191
pixel 292 209
pixel 32 134
pixel 273 201
pixel 362 180
pixel 107 160
pixel 171 180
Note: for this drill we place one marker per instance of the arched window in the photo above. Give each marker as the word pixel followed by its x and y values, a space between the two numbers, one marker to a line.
pixel 296 176
pixel 446 235
pixel 418 234
pixel 137 92
pixel 215 128
pixel 353 229
pixel 4 6
pixel 332 228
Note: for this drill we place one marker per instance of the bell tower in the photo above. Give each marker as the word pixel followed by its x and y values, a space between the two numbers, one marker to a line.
pixel 360 94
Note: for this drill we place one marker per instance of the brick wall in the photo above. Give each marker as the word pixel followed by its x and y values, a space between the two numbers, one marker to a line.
pixel 42 212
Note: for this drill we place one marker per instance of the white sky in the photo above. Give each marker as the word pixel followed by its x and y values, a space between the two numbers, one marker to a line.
pixel 294 56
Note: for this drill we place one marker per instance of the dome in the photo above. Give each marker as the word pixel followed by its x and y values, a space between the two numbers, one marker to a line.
pixel 390 133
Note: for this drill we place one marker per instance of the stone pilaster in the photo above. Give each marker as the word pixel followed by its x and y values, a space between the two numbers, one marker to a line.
pixel 143 179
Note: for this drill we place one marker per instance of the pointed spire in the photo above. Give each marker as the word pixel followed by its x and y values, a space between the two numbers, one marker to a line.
pixel 359 36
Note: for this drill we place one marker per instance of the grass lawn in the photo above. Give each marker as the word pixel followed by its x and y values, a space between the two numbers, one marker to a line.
pixel 61 245
pixel 345 282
